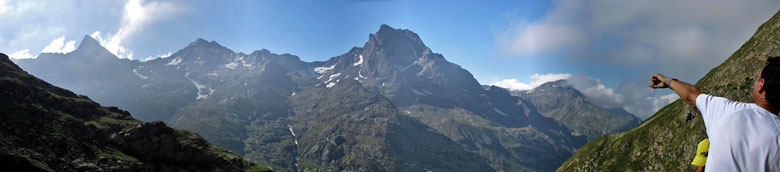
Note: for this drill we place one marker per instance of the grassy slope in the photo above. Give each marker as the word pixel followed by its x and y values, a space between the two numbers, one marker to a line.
pixel 667 141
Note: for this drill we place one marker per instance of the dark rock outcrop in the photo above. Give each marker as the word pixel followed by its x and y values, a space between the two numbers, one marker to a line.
pixel 47 128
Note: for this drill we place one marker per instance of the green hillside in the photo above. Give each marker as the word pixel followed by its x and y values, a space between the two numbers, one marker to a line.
pixel 667 140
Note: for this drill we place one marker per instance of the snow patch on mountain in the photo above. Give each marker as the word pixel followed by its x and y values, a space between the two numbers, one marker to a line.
pixel 232 65
pixel 500 112
pixel 293 134
pixel 360 61
pixel 202 90
pixel 139 75
pixel 332 77
pixel 322 70
pixel 175 61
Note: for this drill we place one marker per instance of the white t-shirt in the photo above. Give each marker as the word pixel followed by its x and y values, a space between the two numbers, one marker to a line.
pixel 743 136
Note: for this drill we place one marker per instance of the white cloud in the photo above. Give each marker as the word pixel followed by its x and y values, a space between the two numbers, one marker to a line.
pixel 15 8
pixel 59 46
pixel 536 80
pixel 596 92
pixel 4 7
pixel 683 38
pixel 136 15
pixel 651 105
pixel 535 37
pixel 21 54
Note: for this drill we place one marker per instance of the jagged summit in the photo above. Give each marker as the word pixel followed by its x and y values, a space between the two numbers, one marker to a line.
pixel 559 86
pixel 386 31
pixel 261 52
pixel 201 41
pixel 89 41
pixel 204 44
pixel 402 42
pixel 89 46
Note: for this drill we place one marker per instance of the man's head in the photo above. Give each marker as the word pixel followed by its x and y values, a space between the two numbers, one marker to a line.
pixel 767 83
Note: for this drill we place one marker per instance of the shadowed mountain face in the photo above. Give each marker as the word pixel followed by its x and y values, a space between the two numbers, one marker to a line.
pixel 560 101
pixel 46 128
pixel 667 141
pixel 391 105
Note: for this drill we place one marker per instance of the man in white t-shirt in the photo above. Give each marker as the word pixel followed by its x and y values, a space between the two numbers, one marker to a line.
pixel 743 136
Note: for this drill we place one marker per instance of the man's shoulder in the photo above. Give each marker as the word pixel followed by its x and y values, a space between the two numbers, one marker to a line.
pixel 757 118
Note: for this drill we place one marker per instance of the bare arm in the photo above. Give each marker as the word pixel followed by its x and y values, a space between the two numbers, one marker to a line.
pixel 686 91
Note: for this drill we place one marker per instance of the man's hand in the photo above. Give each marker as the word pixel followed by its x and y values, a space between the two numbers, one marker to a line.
pixel 659 81
pixel 686 91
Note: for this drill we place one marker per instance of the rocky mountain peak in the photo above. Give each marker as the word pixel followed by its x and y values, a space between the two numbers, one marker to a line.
pixel 89 41
pixel 560 87
pixel 90 46
pixel 202 44
pixel 261 52
pixel 401 43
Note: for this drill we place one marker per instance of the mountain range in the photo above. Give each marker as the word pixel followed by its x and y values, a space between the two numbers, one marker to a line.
pixel 390 105
pixel 667 141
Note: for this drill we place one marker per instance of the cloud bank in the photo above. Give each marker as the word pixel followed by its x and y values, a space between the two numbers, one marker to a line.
pixel 537 80
pixel 136 15
pixel 684 38
pixel 59 46
pixel 21 54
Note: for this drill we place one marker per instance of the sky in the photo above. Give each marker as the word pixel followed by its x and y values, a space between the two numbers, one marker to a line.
pixel 607 49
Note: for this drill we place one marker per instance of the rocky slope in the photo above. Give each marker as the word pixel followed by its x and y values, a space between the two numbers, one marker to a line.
pixel 46 128
pixel 560 101
pixel 667 141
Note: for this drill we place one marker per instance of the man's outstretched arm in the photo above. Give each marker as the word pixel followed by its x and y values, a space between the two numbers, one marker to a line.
pixel 686 91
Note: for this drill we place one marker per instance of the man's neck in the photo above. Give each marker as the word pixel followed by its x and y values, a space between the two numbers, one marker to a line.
pixel 765 105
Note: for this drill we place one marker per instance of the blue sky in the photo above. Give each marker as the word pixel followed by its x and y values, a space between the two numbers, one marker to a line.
pixel 608 45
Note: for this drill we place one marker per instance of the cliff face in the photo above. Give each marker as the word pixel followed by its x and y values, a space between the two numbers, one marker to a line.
pixel 47 128
pixel 667 140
